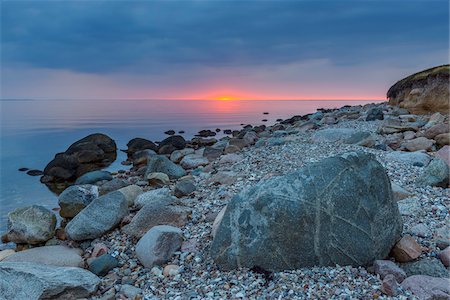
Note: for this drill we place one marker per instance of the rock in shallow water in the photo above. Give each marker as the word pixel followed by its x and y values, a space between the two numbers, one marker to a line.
pixel 35 281
pixel 30 225
pixel 337 211
pixel 100 216
pixel 75 198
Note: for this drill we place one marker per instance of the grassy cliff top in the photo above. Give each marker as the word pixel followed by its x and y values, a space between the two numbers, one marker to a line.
pixel 420 77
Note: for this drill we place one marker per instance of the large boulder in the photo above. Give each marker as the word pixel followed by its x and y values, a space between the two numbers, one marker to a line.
pixel 156 195
pixel 30 225
pixel 417 158
pixel 75 198
pixel 161 164
pixel 172 143
pixel 158 245
pixel 423 92
pixel 336 211
pixel 91 153
pixel 344 135
pixel 100 216
pixel 24 280
pixel 60 256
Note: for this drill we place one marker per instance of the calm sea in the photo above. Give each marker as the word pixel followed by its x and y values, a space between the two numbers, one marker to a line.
pixel 33 131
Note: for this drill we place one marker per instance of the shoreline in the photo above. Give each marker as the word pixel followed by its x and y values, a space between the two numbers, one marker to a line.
pixel 276 150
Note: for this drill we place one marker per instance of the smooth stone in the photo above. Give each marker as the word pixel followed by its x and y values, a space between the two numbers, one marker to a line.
pixel 184 188
pixel 161 164
pixel 344 135
pixel 157 179
pixel 386 267
pixel 75 198
pixel 427 287
pixel 435 174
pixel 421 230
pixel 192 161
pixel 158 245
pixel 231 149
pixel 442 139
pixel 413 158
pixel 35 172
pixel 389 285
pixel 426 266
pixel 171 270
pixel 93 177
pixel 101 265
pixel 417 144
pixel 435 130
pixel 407 249
pixel 24 280
pixel 444 256
pixel 100 216
pixel 444 154
pixel 130 291
pixel 157 213
pixel 138 144
pixel 399 192
pixel 130 193
pixel 217 221
pixel 112 185
pixel 156 195
pixel 223 177
pixel 30 225
pixel 178 155
pixel 237 142
pixel 60 256
pixel 212 153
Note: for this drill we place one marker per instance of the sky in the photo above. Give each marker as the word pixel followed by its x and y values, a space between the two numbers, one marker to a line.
pixel 217 49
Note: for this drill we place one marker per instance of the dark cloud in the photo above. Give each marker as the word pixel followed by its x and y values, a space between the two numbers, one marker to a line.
pixel 159 36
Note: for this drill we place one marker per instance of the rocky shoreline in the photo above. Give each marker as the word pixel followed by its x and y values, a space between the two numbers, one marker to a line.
pixel 151 232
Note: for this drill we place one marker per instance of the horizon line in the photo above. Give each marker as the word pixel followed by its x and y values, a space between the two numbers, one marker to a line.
pixel 193 99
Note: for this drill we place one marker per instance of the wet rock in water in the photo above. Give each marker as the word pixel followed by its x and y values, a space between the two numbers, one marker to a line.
pixel 20 281
pixel 181 131
pixel 91 153
pixel 139 144
pixel 435 174
pixel 112 185
pixel 184 188
pixel 157 213
pixel 94 177
pixel 375 113
pixel 414 158
pixel 265 113
pixel 100 216
pixel 417 144
pixel 264 120
pixel 426 266
pixel 60 256
pixel 300 219
pixel 101 265
pixel 250 137
pixel 227 131
pixel 193 161
pixel 156 195
pixel 386 267
pixel 75 198
pixel 35 172
pixel 279 120
pixel 158 245
pixel 142 157
pixel 205 133
pixel 30 225
pixel 170 132
pixel 203 142
pixel 161 164
pixel 407 249
pixel 130 193
pixel 23 169
pixel 157 179
pixel 177 142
